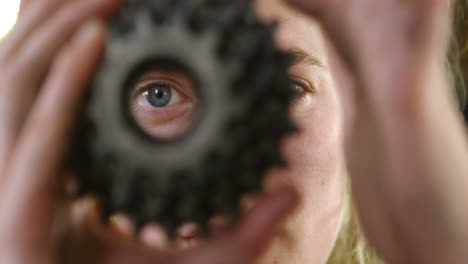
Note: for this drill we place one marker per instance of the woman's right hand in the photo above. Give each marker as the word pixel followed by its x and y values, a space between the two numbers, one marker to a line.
pixel 45 63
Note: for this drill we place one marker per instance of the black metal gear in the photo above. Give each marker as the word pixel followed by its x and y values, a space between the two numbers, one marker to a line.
pixel 245 96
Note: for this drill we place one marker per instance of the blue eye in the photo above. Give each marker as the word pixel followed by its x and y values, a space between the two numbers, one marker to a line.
pixel 158 95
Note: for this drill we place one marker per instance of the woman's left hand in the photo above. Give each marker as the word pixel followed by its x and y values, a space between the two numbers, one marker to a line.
pixel 406 144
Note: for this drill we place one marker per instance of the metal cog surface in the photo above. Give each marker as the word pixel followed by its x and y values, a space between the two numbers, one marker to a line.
pixel 245 94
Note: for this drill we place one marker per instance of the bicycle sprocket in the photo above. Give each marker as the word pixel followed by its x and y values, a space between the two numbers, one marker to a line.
pixel 245 94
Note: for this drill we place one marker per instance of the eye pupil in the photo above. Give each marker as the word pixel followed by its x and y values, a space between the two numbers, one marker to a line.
pixel 159 95
pixel 297 89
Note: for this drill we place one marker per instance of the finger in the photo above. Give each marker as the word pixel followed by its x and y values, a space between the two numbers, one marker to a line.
pixel 22 76
pixel 84 212
pixel 154 236
pixel 39 51
pixel 251 236
pixel 80 242
pixel 24 4
pixel 243 245
pixel 187 235
pixel 122 225
pixel 31 190
pixel 33 61
pixel 33 17
pixel 30 20
pixel 248 201
pixel 219 224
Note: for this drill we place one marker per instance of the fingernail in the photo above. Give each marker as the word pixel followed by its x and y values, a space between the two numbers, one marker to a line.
pixel 188 230
pixel 154 236
pixel 90 30
pixel 122 224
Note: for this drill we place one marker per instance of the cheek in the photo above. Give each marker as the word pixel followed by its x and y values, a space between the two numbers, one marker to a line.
pixel 315 143
pixel 315 153
pixel 315 156
pixel 316 171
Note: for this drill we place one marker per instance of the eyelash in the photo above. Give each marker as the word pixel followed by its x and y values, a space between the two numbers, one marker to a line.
pixel 139 89
pixel 306 86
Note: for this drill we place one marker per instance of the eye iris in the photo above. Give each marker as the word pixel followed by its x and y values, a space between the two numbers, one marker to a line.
pixel 159 95
pixel 297 88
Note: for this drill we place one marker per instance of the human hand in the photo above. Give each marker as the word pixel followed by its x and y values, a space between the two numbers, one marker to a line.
pixel 46 62
pixel 405 140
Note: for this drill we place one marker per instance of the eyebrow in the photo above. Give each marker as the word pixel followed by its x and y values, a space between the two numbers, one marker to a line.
pixel 302 57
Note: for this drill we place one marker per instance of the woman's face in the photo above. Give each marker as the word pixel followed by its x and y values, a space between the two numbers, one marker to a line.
pixel 315 154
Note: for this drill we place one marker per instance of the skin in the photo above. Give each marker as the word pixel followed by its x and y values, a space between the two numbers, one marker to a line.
pixel 315 156
pixel 385 93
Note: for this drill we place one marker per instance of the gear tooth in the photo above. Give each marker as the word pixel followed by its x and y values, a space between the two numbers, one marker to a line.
pixel 202 220
pixel 227 17
pixel 261 80
pixel 187 207
pixel 119 192
pixel 269 110
pixel 225 198
pixel 196 25
pixel 249 180
pixel 144 196
pixel 271 28
pixel 290 128
pixel 204 229
pixel 242 44
pixel 243 89
pixel 137 221
pixel 238 131
pixel 249 15
pixel 163 11
pixel 278 160
pixel 136 217
pixel 154 208
pixel 79 163
pixel 207 15
pixel 105 206
pixel 267 148
pixel 284 59
pixel 188 201
pixel 234 210
pixel 122 27
pixel 158 16
pixel 197 22
pixel 171 225
pixel 249 159
pixel 120 198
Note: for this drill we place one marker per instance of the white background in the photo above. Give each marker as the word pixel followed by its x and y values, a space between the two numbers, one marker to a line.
pixel 8 12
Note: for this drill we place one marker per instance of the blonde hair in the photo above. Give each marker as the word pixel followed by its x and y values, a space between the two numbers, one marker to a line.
pixel 457 58
pixel 351 246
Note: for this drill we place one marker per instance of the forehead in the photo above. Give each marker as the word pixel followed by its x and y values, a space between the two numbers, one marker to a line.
pixel 296 31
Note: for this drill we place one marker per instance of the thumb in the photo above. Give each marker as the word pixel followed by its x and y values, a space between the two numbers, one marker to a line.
pixel 243 245
pixel 251 237
pixel 24 4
